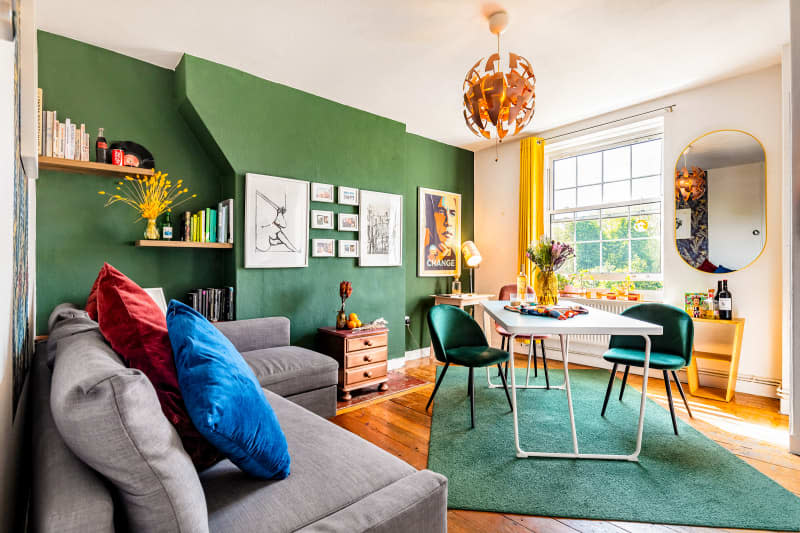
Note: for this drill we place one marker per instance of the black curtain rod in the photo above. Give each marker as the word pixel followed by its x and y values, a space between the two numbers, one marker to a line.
pixel 668 108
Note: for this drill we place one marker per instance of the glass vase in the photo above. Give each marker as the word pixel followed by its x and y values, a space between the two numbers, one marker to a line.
pixel 546 287
pixel 341 318
pixel 151 231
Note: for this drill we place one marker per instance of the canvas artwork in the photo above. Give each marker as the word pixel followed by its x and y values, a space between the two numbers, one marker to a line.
pixel 322 247
pixel 348 196
pixel 322 192
pixel 321 219
pixel 683 223
pixel 439 244
pixel 276 222
pixel 348 222
pixel 381 229
pixel 348 248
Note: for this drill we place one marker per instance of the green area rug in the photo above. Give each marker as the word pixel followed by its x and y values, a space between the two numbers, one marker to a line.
pixel 687 479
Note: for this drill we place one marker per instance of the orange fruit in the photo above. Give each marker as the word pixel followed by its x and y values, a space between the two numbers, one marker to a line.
pixel 353 317
pixel 351 324
pixel 358 323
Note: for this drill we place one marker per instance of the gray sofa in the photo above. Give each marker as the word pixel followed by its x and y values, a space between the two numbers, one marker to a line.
pixel 339 482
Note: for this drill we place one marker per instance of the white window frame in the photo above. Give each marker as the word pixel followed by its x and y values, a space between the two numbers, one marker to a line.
pixel 608 139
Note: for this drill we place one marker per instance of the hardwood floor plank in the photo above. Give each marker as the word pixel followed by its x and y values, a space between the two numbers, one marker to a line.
pixel 477 521
pixel 541 524
pixel 591 526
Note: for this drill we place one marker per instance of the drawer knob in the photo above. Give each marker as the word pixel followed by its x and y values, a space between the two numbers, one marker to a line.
pixel 367 358
pixel 368 343
pixel 368 374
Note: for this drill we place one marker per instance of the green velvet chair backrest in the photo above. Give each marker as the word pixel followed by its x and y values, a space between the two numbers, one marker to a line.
pixel 452 327
pixel 678 336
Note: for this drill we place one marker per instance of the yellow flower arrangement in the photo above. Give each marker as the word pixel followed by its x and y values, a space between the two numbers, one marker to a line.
pixel 150 197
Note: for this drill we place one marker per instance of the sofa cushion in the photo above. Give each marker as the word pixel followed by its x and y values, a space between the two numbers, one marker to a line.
pixel 288 370
pixel 110 417
pixel 136 328
pixel 223 396
pixel 331 469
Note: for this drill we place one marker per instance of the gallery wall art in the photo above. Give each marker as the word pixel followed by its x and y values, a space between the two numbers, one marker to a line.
pixel 381 229
pixel 276 222
pixel 439 243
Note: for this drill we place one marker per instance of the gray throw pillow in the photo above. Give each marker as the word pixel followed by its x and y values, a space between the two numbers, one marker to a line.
pixel 110 417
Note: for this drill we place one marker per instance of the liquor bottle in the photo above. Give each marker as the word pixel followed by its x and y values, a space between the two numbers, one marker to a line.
pixel 101 148
pixel 725 302
pixel 522 284
pixel 456 286
pixel 166 228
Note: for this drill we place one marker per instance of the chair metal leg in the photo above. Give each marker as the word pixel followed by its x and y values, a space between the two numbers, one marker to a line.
pixel 624 381
pixel 683 394
pixel 530 354
pixel 505 386
pixel 509 362
pixel 535 364
pixel 671 405
pixel 608 390
pixel 471 389
pixel 438 383
pixel 544 363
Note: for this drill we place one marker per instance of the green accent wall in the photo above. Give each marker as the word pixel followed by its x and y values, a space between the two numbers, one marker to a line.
pixel 210 124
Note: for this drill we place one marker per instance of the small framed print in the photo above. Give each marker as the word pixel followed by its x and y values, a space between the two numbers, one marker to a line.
pixel 348 196
pixel 348 222
pixel 322 248
pixel 321 219
pixel 348 248
pixel 322 192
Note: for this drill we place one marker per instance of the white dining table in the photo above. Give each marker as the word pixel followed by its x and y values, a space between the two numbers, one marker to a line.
pixel 595 322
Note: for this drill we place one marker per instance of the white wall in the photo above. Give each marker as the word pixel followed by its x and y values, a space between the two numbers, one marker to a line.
pixel 751 103
pixel 735 209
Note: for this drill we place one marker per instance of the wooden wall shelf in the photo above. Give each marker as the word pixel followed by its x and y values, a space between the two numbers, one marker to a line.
pixel 90 167
pixel 182 244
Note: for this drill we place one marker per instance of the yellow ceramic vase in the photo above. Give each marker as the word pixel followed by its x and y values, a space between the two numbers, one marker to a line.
pixel 545 285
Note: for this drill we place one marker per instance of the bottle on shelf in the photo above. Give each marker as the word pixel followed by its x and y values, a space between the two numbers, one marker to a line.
pixel 522 284
pixel 166 227
pixel 456 286
pixel 725 302
pixel 101 148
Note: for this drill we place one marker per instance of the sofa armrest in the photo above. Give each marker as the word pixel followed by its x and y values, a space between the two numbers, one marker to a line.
pixel 256 333
pixel 416 503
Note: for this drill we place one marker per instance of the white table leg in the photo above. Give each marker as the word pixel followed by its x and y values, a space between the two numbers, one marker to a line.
pixel 514 395
pixel 643 404
pixel 565 356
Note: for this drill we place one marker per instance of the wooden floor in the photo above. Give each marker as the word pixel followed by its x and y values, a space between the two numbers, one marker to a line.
pixel 749 426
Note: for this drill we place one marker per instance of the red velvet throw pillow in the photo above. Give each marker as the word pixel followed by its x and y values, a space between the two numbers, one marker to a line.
pixel 707 266
pixel 136 328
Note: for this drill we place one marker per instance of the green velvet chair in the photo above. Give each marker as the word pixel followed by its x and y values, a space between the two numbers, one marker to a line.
pixel 458 340
pixel 669 352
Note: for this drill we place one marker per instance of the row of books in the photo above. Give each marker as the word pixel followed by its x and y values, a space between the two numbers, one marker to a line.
pixel 214 304
pixel 210 225
pixel 66 140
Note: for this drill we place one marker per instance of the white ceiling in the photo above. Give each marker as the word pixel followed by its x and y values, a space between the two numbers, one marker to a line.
pixel 406 59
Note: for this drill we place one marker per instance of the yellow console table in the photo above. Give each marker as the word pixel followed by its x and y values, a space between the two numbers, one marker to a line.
pixel 729 352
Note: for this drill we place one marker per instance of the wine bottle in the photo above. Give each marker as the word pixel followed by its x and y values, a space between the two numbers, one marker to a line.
pixel 522 284
pixel 101 148
pixel 725 302
pixel 166 228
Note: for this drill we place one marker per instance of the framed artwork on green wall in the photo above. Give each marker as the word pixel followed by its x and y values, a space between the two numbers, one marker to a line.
pixel 380 239
pixel 439 243
pixel 275 222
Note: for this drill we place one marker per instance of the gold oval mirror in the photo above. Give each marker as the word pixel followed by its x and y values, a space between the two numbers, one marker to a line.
pixel 720 201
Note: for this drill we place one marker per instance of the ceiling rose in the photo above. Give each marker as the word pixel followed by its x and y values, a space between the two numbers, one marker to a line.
pixel 499 97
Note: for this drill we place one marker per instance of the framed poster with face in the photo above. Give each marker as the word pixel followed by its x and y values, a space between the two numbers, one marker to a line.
pixel 322 192
pixel 348 248
pixel 348 222
pixel 321 219
pixel 322 247
pixel 348 196
pixel 380 237
pixel 439 245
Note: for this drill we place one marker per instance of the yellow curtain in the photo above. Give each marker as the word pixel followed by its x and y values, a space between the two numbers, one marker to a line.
pixel 531 198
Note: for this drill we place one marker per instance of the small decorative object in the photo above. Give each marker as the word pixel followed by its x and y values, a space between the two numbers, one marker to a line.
pixel 321 219
pixel 348 222
pixel 456 287
pixel 683 223
pixel 345 290
pixel 689 183
pixel 473 259
pixel 133 155
pixel 548 256
pixel 348 248
pixel 380 238
pixel 522 286
pixel 692 300
pixel 322 192
pixel 348 196
pixel 322 248
pixel 150 197
pixel 439 252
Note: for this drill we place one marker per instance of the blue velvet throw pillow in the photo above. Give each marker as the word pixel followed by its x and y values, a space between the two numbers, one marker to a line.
pixel 223 397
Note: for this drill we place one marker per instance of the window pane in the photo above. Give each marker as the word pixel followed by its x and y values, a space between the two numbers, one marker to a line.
pixel 645 225
pixel 564 199
pixel 591 195
pixel 645 188
pixel 615 256
pixel 617 164
pixel 646 158
pixel 590 168
pixel 564 173
pixel 563 231
pixel 618 191
pixel 615 223
pixel 646 256
pixel 587 226
pixel 588 256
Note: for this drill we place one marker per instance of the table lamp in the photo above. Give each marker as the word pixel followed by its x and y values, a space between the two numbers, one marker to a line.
pixel 472 258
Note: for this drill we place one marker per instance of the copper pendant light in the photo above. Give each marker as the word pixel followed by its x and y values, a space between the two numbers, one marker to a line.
pixel 499 102
pixel 689 184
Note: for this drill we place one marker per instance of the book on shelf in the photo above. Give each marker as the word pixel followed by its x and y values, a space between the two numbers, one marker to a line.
pixel 214 304
pixel 208 225
pixel 48 132
pixel 221 222
pixel 228 204
pixel 39 121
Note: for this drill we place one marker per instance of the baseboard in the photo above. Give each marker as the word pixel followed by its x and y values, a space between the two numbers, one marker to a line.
pixel 399 362
pixel 794 444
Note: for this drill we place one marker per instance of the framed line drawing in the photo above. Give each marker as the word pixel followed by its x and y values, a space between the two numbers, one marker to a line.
pixel 380 239
pixel 321 192
pixel 348 195
pixel 321 219
pixel 439 241
pixel 347 222
pixel 275 222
